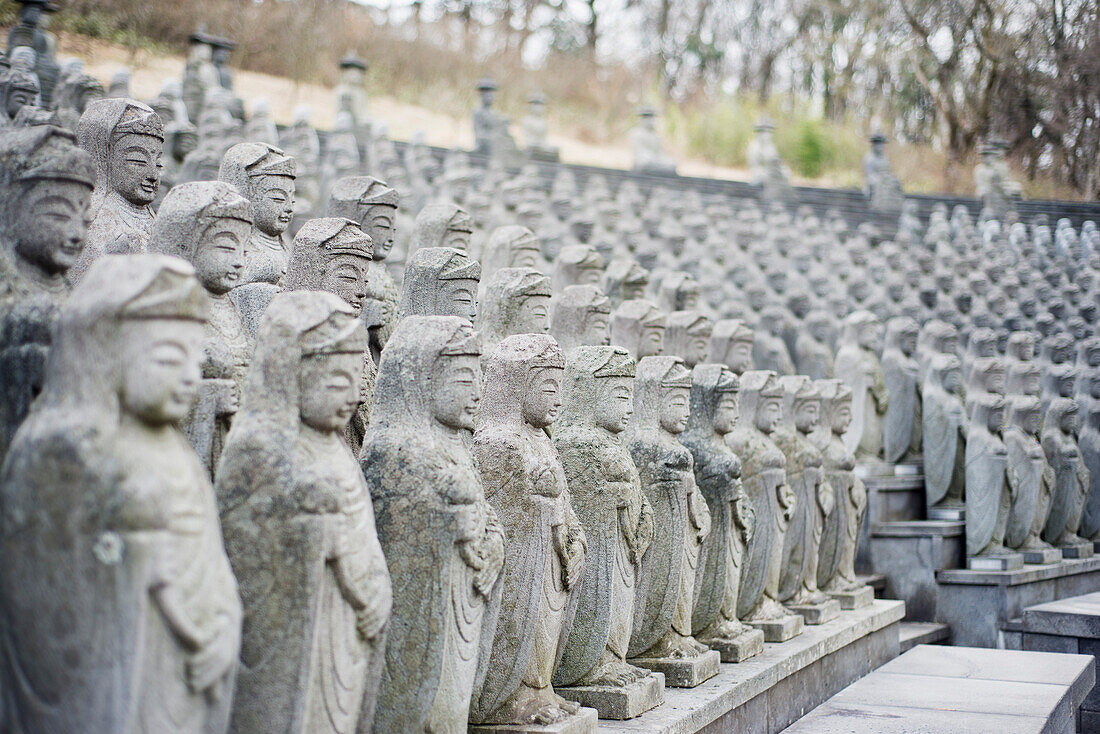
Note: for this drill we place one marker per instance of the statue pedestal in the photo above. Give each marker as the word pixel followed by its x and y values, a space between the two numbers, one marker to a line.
pixel 780 629
pixel 619 703
pixel 856 598
pixel 743 647
pixel 683 672
pixel 582 722
pixel 947 514
pixel 1003 562
pixel 909 555
pixel 1077 551
pixel 1042 556
pixel 817 613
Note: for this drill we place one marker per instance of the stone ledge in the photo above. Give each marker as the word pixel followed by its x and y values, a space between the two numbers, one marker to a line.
pixel 918 529
pixel 1077 616
pixel 1027 575
pixel 912 483
pixel 688 710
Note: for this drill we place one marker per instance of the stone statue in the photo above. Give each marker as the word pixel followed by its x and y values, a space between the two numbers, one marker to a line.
pixel 936 337
pixel 987 377
pixel 535 131
pixel 769 351
pixel 1089 444
pixel 440 281
pixel 19 88
pixel 764 476
pixel 639 326
pixel 1071 480
pixel 208 224
pixel 544 542
pixel 491 136
pixel 857 363
pixel 880 184
pixel 300 141
pixel 577 265
pixel 766 168
pixel 113 557
pixel 624 280
pixel 1023 378
pixel 992 181
pixel 988 492
pixel 943 438
pixel 300 529
pixel 441 225
pixel 517 301
pixel 836 573
pixel 1030 481
pixel 428 495
pixel 813 354
pixel 45 187
pixel 646 145
pixel 618 522
pixel 901 427
pixel 661 637
pixel 351 97
pixel 581 316
pixel 510 246
pixel 688 336
pixel 815 501
pixel 731 345
pixel 125 138
pixel 374 205
pixel 714 413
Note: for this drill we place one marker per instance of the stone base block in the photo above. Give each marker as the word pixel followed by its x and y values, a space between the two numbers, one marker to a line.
pixel 947 514
pixel 583 722
pixel 1077 551
pixel 747 644
pixel 1008 562
pixel 909 469
pixel 619 703
pixel 819 613
pixel 781 629
pixel 1042 556
pixel 909 554
pixel 683 672
pixel 854 598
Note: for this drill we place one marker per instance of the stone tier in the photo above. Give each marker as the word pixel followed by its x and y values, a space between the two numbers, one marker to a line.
pixel 770 691
pixel 910 554
pixel 893 498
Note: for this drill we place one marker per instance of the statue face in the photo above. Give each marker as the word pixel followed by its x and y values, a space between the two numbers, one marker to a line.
pixel 134 167
pixel 689 299
pixel 1094 386
pixel 457 391
pixel 909 344
pixel 597 329
pixel 767 415
pixel 542 400
pixel 652 342
pixel 589 276
pixel 524 255
pixel 17 99
pixel 457 239
pixel 996 420
pixel 160 369
pixel 633 291
pixel 380 221
pixel 725 413
pixel 273 208
pixel 868 335
pixel 1070 422
pixel 50 223
pixel 488 96
pixel 346 276
pixel 458 298
pixel 183 143
pixel 842 418
pixel 995 380
pixel 219 256
pixel 533 316
pixel 806 415
pixel 1032 422
pixel 328 386
pixel 674 409
pixel 696 350
pixel 615 404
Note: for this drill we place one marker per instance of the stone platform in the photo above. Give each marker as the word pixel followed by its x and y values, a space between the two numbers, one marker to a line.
pixel 1068 626
pixel 910 554
pixel 979 605
pixel 897 497
pixel 954 690
pixel 767 693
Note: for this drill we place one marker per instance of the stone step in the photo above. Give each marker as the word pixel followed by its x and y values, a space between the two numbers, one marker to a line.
pixel 911 634
pixel 876 581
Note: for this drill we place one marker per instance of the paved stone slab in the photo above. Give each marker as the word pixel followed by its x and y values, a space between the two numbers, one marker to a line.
pixel 584 722
pixel 1077 616
pixel 1028 574
pixel 911 634
pixel 847 718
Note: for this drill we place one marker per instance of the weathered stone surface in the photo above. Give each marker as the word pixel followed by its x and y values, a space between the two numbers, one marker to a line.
pixel 440 281
pixel 1071 480
pixel 581 316
pixel 901 437
pixel 639 327
pixel 943 435
pixel 857 363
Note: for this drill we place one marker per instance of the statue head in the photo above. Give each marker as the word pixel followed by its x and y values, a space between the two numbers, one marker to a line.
pixel 125 139
pixel 265 176
pixel 331 254
pixel 523 377
pixel 1023 378
pixel 208 224
pixel 662 388
pixel 762 397
pixel 598 388
pixel 372 203
pixel 1062 414
pixel 581 317
pixel 487 91
pixel 18 88
pixel 440 281
pixel 836 404
pixel 731 344
pixel 945 372
pixel 1025 412
pixel 441 225
pixel 639 326
pixel 1021 346
pixel 679 292
pixel 688 336
pixel 625 280
pixel 511 246
pixel 516 301
pixel 577 265
pixel 801 401
pixel 45 188
pixel 901 334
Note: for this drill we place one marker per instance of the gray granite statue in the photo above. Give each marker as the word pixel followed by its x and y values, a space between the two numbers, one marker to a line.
pixel 879 182
pixel 943 438
pixel 45 188
pixel 766 168
pixel 208 224
pixel 577 265
pixel 688 336
pixel 769 351
pixel 1071 480
pixel 120 608
pixel 857 363
pixel 428 495
pixel 300 529
pixel 510 246
pixel 1030 480
pixel 1088 442
pixel 813 354
pixel 836 574
pixel 764 476
pixel 640 327
pixel 544 542
pixel 535 131
pixel 607 495
pixel 714 413
pixel 661 637
pixel 988 492
pixel 624 280
pixel 491 136
pixel 731 345
pixel 645 143
pixel 581 316
pixel 19 89
pixel 517 301
pixel 440 281
pixel 901 428
pixel 441 225
pixel 125 138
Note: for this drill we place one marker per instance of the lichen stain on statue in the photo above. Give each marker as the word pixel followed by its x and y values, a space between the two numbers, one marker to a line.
pixel 100 482
pixel 208 224
pixel 299 527
pixel 443 542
